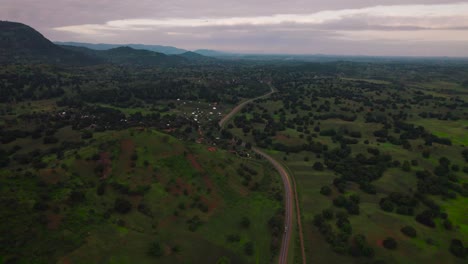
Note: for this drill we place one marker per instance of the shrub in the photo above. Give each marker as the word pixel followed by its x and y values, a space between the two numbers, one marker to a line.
pixel 325 190
pixel 457 248
pixel 390 243
pixel 155 250
pixel 122 206
pixel 318 166
pixel 249 248
pixel 245 222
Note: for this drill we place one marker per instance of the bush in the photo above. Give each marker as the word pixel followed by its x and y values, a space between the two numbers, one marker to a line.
pixel 245 222
pixel 122 206
pixel 390 243
pixel 318 166
pixel 50 140
pixel 155 250
pixel 386 205
pixel 426 218
pixel 457 248
pixel 409 231
pixel 249 248
pixel 76 197
pixel 325 190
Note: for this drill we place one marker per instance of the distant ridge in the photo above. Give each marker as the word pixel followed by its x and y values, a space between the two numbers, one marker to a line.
pixel 169 50
pixel 213 53
pixel 21 43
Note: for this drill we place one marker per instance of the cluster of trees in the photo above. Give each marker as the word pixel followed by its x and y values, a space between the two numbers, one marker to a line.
pixel 342 241
pixel 404 203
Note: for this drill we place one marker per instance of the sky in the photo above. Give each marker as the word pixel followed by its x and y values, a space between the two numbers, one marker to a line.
pixel 339 27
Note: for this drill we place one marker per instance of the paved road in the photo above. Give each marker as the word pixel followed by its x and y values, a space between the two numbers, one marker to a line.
pixel 289 190
pixel 288 198
pixel 236 109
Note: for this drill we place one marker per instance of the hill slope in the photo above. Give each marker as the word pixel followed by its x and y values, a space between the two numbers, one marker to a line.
pixel 21 43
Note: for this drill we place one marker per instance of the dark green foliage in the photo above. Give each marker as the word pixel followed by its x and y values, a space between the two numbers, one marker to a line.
pixel 245 222
pixel 86 134
pixel 155 250
pixel 361 247
pixel 50 140
pixel 194 223
pixel 76 197
pixel 233 238
pixel 406 166
pixel 325 190
pixel 122 206
pixel 249 248
pixel 409 231
pixel 318 166
pixel 426 218
pixel 390 243
pixel 457 248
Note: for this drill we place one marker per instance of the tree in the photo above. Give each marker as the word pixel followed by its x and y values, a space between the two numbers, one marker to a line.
pixel 249 248
pixel 426 218
pixel 86 134
pixel 245 222
pixel 406 166
pixel 457 248
pixel 122 206
pixel 390 243
pixel 318 166
pixel 325 190
pixel 155 250
pixel 409 231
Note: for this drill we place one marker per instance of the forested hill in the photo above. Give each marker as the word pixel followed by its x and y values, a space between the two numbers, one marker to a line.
pixel 22 44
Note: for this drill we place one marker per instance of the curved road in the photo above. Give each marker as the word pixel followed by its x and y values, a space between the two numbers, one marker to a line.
pixel 289 190
pixel 288 198
pixel 238 107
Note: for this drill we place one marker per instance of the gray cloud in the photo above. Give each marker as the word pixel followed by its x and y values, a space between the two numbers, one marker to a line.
pixel 254 26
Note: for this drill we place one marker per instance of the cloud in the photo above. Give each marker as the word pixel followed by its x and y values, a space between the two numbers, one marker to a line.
pixel 406 17
pixel 394 27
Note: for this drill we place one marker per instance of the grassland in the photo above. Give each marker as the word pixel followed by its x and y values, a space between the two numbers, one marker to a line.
pixel 431 244
pixel 167 183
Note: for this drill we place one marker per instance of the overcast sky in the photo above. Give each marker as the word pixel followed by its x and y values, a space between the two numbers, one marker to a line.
pixel 342 27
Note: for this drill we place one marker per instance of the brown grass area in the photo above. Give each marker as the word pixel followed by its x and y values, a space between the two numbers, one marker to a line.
pixel 167 221
pixel 53 221
pixel 212 203
pixel 127 147
pixel 105 160
pixel 52 176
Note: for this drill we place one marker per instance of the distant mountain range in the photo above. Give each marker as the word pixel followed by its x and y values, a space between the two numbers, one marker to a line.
pixel 168 50
pixel 101 46
pixel 20 43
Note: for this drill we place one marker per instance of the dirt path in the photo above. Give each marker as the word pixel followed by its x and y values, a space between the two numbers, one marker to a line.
pixel 289 190
pixel 238 107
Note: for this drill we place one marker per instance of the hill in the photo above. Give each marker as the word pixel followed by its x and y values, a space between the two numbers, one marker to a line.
pixel 21 43
pixel 168 50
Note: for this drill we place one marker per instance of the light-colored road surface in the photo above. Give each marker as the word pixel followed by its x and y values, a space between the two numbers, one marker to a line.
pixel 238 107
pixel 290 193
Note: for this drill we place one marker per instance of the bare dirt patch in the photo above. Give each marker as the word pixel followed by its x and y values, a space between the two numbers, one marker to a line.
pixel 53 221
pixel 52 175
pixel 105 161
pixel 194 162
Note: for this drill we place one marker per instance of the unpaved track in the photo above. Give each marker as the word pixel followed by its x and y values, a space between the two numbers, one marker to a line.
pixel 238 107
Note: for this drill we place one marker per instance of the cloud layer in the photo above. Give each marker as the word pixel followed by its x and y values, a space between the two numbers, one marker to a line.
pixel 336 27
